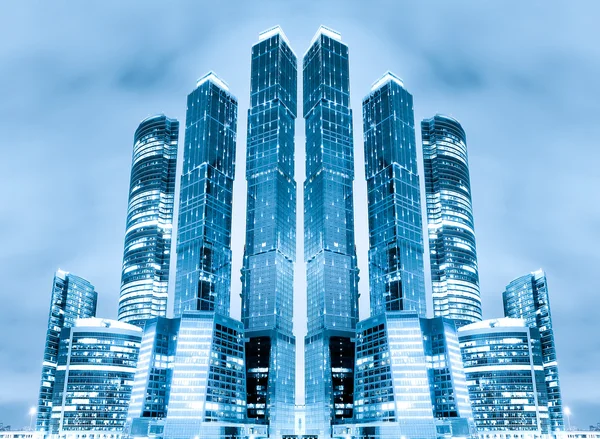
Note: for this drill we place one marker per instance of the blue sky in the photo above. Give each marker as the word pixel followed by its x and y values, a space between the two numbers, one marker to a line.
pixel 77 78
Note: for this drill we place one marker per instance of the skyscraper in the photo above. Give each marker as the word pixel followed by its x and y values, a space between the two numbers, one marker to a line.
pixel 396 273
pixel 503 365
pixel 527 297
pixel 203 277
pixel 270 251
pixel 207 396
pixel 454 272
pixel 96 366
pixel 72 298
pixel 329 248
pixel 147 254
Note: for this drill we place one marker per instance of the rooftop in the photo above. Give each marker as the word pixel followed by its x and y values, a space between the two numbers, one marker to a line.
pixel 387 77
pixel 212 77
pixel 326 31
pixel 275 30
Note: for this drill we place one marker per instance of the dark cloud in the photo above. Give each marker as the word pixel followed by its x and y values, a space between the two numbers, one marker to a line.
pixel 76 79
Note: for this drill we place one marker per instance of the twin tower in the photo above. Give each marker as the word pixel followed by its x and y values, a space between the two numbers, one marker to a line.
pixel 227 374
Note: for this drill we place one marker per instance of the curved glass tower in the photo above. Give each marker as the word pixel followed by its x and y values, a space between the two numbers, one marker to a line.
pixel 396 273
pixel 454 272
pixel 147 254
pixel 329 249
pixel 270 251
pixel 203 277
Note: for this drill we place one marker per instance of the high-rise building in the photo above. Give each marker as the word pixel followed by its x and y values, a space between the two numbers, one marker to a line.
pixel 527 297
pixel 203 277
pixel 147 254
pixel 396 273
pixel 270 251
pixel 96 366
pixel 447 382
pixel 452 252
pixel 329 248
pixel 153 378
pixel 502 360
pixel 72 298
pixel 392 397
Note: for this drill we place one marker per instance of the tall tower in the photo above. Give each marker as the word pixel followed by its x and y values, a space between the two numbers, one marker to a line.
pixel 203 278
pixel 329 248
pixel 392 396
pixel 72 298
pixel 147 254
pixel 527 298
pixel 270 251
pixel 454 272
pixel 396 273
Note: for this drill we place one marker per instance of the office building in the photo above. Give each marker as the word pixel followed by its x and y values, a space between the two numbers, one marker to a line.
pixel 96 366
pixel 452 252
pixel 396 274
pixel 147 253
pixel 392 397
pixel 270 250
pixel 329 248
pixel 503 365
pixel 527 298
pixel 72 298
pixel 203 277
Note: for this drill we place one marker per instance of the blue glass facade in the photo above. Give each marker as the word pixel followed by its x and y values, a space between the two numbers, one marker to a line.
pixel 396 273
pixel 72 298
pixel 147 254
pixel 452 252
pixel 527 298
pixel 203 278
pixel 270 251
pixel 96 366
pixel 502 359
pixel 329 248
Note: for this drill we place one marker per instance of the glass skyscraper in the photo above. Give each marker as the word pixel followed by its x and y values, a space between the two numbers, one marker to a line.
pixel 452 252
pixel 72 298
pixel 270 251
pixel 203 278
pixel 96 366
pixel 502 360
pixel 396 273
pixel 527 297
pixel 329 248
pixel 391 393
pixel 147 254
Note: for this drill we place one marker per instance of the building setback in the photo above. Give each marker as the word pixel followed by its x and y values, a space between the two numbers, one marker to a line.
pixel 270 250
pixel 147 253
pixel 329 248
pixel 527 298
pixel 452 252
pixel 72 298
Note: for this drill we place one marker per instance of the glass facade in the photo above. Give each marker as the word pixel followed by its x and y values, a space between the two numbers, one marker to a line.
pixel 147 254
pixel 329 248
pixel 153 377
pixel 208 388
pixel 452 252
pixel 270 251
pixel 396 273
pixel 502 360
pixel 392 396
pixel 447 382
pixel 203 277
pixel 96 366
pixel 527 297
pixel 72 298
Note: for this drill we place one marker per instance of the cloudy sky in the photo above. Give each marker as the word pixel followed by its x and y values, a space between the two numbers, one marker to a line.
pixel 76 79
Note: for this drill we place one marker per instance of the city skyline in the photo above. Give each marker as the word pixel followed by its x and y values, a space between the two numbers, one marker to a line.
pixel 107 300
